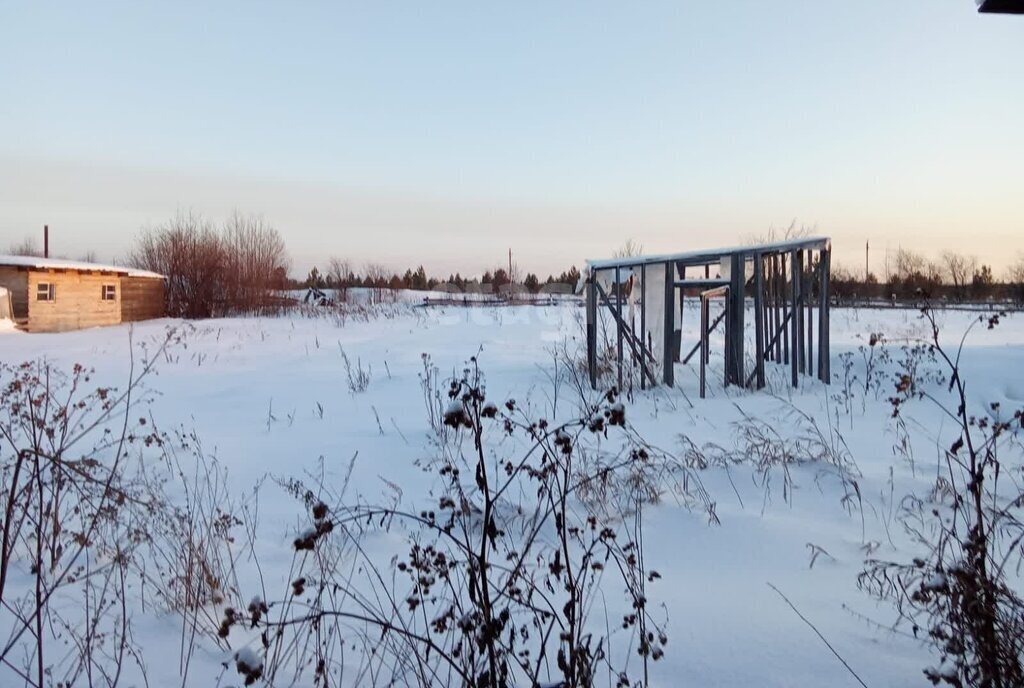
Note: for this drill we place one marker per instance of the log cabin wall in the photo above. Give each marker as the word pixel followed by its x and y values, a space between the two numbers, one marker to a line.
pixel 77 301
pixel 142 298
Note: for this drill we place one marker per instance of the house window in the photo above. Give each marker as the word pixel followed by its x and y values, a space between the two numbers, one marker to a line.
pixel 109 292
pixel 45 291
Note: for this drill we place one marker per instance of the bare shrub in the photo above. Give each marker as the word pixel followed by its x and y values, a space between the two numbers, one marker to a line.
pixel 73 517
pixel 213 272
pixel 189 252
pixel 357 376
pixel 254 260
pixel 958 593
pixel 191 539
pixel 498 584
pixel 773 455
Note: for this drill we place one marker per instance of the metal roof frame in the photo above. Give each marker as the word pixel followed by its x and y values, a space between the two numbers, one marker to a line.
pixel 705 256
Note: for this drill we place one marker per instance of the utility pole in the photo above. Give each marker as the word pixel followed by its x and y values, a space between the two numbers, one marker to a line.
pixel 867 262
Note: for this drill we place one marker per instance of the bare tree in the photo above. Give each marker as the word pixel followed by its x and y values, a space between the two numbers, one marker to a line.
pixel 27 247
pixel 340 275
pixel 189 252
pixel 211 272
pixel 253 255
pixel 909 264
pixel 959 269
pixel 629 249
pixel 376 277
pixel 915 276
pixel 791 231
pixel 1015 278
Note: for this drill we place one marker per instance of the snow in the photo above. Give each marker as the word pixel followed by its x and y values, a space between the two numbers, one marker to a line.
pixel 250 657
pixel 936 581
pixel 268 396
pixel 60 264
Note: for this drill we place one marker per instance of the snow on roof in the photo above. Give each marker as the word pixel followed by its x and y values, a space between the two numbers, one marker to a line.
pixel 58 264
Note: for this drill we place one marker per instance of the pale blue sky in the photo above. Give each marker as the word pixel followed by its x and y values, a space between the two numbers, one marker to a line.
pixel 445 132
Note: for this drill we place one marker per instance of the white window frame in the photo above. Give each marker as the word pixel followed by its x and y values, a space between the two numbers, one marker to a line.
pixel 109 292
pixel 46 292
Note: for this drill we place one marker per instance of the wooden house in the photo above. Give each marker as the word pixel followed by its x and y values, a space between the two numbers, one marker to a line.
pixel 50 295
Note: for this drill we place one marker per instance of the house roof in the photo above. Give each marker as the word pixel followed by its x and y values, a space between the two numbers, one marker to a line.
pixel 33 262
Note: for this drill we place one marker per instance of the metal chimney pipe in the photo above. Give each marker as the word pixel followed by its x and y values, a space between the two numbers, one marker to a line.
pixel 46 241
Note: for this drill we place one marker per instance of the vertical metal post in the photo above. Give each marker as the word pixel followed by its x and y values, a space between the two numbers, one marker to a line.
pixel 707 334
pixel 682 314
pixel 737 280
pixel 785 308
pixel 769 306
pixel 810 313
pixel 727 307
pixel 643 322
pixel 759 318
pixel 777 324
pixel 668 374
pixel 824 334
pixel 618 320
pixel 794 279
pixel 727 327
pixel 592 329
pixel 704 348
pixel 800 344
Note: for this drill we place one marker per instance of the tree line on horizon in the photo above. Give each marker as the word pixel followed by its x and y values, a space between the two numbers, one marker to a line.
pixel 912 275
pixel 242 265
pixel 340 274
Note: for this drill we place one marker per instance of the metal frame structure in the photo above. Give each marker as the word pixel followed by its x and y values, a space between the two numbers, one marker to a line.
pixel 787 282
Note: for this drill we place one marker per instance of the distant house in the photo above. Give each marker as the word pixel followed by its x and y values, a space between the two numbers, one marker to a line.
pixel 50 295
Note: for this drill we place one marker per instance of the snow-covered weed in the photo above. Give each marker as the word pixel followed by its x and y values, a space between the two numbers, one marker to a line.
pixel 498 585
pixel 358 377
pixel 75 515
pixel 961 592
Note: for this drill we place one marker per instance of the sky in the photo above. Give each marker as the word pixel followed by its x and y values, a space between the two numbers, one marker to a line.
pixel 447 133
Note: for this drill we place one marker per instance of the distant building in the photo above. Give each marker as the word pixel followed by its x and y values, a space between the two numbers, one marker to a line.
pixel 1001 6
pixel 50 295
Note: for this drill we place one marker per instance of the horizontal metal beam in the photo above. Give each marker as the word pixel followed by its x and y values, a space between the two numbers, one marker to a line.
pixel 707 256
pixel 701 283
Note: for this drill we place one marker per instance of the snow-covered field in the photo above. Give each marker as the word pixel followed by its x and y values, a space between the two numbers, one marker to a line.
pixel 271 398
